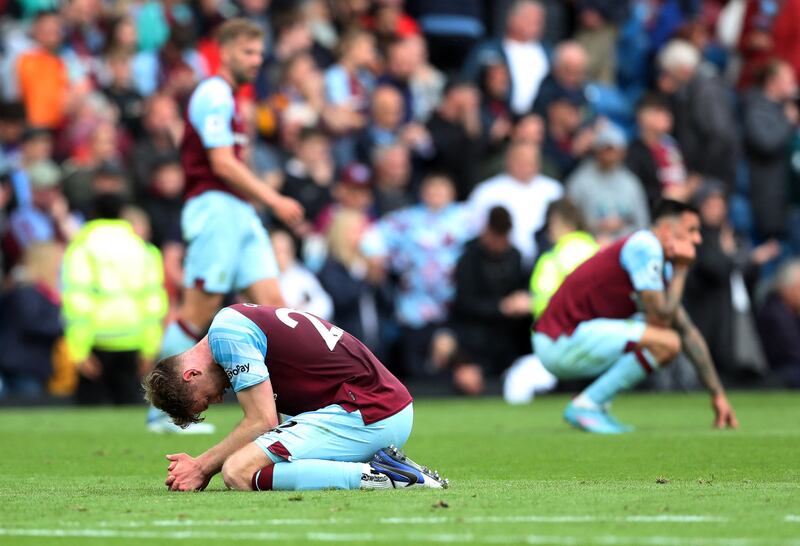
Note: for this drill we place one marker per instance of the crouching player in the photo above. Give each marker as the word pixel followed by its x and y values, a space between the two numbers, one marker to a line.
pixel 590 329
pixel 347 409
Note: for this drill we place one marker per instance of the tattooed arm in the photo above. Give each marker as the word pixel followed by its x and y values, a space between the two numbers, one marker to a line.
pixel 695 347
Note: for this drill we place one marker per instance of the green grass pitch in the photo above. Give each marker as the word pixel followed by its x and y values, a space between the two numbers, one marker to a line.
pixel 519 476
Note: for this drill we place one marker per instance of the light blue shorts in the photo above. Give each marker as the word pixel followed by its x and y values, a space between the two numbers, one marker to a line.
pixel 333 434
pixel 591 349
pixel 227 246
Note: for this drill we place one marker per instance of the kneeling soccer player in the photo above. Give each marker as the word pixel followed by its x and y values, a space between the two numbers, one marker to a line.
pixel 589 328
pixel 348 411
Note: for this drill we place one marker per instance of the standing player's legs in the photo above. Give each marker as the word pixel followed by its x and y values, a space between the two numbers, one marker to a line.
pixel 257 271
pixel 214 228
pixel 620 353
pixel 324 449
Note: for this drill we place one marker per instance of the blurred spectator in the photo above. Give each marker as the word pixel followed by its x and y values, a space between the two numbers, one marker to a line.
pixel 610 197
pixel 387 126
pixel 770 119
pixel 163 202
pixel 392 178
pixel 524 55
pixel 299 287
pixel 352 191
pixel 715 286
pixel 705 127
pixel 114 303
pixel 163 127
pixel 30 323
pixel 495 92
pixel 451 28
pixel 12 127
pixel 421 244
pixel 37 146
pixel 756 43
pixel 42 75
pixel 572 245
pixel 598 24
pixel 523 192
pixel 655 158
pixel 567 78
pixel 779 324
pixel 361 299
pixel 120 90
pixel 309 177
pixel 456 131
pixel 491 307
pixel 80 171
pixel 427 82
pixel 568 137
pixel 387 21
pixel 349 82
pixel 784 33
pixel 402 62
pixel 47 217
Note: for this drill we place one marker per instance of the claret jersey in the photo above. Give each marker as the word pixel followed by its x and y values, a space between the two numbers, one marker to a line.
pixel 310 362
pixel 212 121
pixel 605 285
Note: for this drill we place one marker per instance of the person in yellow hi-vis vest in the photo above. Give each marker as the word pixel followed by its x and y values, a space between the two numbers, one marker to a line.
pixel 114 303
pixel 571 247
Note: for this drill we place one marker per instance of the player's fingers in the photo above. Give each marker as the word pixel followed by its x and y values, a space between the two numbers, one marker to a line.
pixel 172 465
pixel 170 479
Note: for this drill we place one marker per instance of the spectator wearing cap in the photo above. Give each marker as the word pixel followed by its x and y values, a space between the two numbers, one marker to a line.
pixel 520 47
pixel 567 77
pixel 610 196
pixel 352 191
pixel 421 244
pixel 521 190
pixel 457 134
pixel 770 121
pixel 47 217
pixel 654 156
pixel 42 76
pixel 705 125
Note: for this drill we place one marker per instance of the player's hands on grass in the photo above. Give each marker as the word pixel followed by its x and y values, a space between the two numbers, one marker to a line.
pixel 289 211
pixel 185 474
pixel 725 416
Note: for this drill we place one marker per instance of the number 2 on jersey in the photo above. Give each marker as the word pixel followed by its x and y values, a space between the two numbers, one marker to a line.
pixel 331 337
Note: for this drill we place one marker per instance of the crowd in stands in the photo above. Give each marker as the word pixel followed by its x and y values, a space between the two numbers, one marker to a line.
pixel 441 150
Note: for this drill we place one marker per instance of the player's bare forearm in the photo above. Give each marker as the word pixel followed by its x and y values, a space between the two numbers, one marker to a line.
pixel 696 348
pixel 245 432
pixel 228 167
pixel 661 308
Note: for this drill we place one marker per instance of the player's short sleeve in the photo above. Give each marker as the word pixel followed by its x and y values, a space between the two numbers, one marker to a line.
pixel 211 111
pixel 643 259
pixel 239 347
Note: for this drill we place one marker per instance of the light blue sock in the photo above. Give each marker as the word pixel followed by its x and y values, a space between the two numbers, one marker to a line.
pixel 623 374
pixel 176 340
pixel 307 474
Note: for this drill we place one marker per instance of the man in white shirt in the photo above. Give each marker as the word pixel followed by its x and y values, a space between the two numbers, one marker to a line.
pixel 524 192
pixel 526 58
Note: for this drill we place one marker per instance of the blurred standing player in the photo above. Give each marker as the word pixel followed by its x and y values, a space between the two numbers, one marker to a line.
pixel 227 246
pixel 589 328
